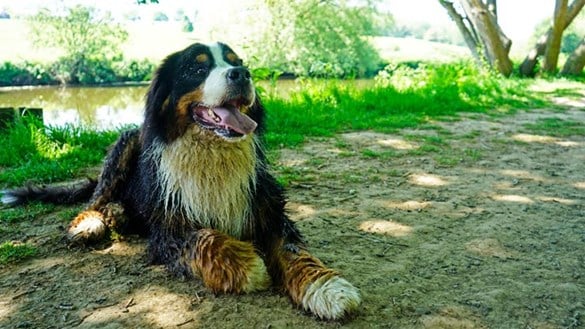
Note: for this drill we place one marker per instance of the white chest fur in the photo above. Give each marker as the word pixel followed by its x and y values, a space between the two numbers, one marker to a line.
pixel 209 182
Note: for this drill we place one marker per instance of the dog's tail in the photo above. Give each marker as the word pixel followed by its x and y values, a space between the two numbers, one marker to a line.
pixel 49 194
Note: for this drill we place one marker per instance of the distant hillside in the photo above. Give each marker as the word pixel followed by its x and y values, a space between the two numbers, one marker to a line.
pixel 410 49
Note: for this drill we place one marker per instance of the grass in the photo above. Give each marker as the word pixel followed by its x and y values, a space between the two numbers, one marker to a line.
pixel 12 252
pixel 49 154
pixel 401 97
pixel 556 127
pixel 29 212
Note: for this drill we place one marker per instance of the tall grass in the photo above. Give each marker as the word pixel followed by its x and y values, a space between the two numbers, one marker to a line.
pixel 401 97
pixel 48 154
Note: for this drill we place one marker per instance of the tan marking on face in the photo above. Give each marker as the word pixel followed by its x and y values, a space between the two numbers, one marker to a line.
pixel 231 57
pixel 202 58
pixel 245 110
pixel 183 113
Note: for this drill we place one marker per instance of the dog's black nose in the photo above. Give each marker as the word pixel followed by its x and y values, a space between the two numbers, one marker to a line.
pixel 238 75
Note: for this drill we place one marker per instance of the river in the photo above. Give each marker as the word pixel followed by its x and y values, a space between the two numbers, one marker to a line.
pixel 104 107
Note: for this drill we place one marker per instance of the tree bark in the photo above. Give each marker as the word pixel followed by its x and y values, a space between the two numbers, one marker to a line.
pixel 529 63
pixel 576 61
pixel 497 45
pixel 553 47
pixel 469 35
pixel 493 8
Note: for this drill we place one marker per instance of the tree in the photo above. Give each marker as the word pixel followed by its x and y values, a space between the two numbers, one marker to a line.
pixel 84 36
pixel 576 61
pixel 527 68
pixel 315 37
pixel 478 24
pixel 553 48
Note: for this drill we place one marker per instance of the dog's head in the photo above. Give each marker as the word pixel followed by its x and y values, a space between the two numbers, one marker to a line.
pixel 206 88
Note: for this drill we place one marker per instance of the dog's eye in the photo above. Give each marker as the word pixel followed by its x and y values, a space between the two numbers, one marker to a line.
pixel 201 71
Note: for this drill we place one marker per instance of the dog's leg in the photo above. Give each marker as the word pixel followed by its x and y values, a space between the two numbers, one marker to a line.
pixel 225 265
pixel 310 284
pixel 103 212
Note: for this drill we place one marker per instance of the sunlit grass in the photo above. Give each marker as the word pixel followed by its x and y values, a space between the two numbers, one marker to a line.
pixel 47 154
pixel 401 97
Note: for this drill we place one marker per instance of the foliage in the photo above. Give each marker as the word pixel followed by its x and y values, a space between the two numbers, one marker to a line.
pixel 11 252
pixel 187 24
pixel 402 97
pixel 46 154
pixel 93 72
pixel 315 38
pixel 25 73
pixel 87 39
pixel 570 42
pixel 161 17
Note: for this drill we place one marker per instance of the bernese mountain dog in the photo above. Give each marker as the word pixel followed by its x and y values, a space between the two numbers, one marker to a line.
pixel 194 177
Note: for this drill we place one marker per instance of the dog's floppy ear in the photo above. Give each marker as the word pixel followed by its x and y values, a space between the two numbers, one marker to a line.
pixel 161 85
pixel 158 93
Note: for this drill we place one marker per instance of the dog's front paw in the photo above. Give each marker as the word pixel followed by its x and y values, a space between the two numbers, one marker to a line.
pixel 227 265
pixel 331 298
pixel 88 226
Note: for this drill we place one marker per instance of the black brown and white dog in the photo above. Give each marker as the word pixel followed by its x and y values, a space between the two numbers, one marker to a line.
pixel 194 176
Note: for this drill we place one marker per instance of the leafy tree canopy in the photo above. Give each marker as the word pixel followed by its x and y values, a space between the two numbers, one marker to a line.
pixel 79 32
pixel 316 37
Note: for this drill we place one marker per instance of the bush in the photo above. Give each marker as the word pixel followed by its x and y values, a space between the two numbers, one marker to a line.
pixel 26 73
pixel 315 38
pixel 81 71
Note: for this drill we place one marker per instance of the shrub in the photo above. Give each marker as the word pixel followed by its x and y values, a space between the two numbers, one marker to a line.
pixel 25 73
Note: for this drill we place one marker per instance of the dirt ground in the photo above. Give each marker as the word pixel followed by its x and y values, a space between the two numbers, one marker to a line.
pixel 486 232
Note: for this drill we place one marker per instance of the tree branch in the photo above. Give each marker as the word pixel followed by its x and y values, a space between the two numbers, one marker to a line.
pixel 469 35
pixel 529 63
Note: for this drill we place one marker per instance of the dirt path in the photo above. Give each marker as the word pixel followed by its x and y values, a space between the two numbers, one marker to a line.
pixel 473 224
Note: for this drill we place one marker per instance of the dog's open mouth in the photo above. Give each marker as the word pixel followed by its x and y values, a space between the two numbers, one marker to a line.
pixel 226 120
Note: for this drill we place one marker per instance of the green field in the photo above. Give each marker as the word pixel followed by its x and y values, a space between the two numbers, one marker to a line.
pixel 154 41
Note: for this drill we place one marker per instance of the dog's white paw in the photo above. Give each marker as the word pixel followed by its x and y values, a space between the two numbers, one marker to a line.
pixel 331 298
pixel 87 226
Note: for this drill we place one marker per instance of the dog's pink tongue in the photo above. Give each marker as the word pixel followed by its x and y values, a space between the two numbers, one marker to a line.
pixel 235 120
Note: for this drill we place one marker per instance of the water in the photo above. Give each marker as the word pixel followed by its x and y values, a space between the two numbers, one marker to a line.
pixel 106 107
pixel 95 107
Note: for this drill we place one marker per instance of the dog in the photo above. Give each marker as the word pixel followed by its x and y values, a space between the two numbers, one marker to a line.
pixel 194 177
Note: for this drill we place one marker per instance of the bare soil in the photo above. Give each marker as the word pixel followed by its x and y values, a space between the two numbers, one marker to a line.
pixel 486 232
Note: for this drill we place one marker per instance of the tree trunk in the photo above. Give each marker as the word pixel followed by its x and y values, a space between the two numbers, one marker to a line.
pixel 529 63
pixel 553 47
pixel 493 8
pixel 496 43
pixel 469 34
pixel 576 61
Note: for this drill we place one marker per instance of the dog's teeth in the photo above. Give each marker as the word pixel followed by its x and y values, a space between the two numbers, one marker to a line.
pixel 213 115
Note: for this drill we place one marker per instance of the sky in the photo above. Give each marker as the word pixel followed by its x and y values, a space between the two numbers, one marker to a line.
pixel 517 17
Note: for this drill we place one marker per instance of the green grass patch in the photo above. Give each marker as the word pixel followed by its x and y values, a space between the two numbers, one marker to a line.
pixel 11 252
pixel 47 154
pixel 30 212
pixel 400 97
pixel 556 127
pixel 373 154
